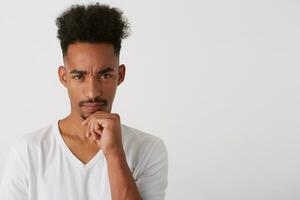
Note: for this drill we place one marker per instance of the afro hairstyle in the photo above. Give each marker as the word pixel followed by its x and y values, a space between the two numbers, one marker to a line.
pixel 94 23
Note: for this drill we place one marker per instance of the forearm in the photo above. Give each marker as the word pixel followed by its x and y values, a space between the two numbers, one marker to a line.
pixel 122 183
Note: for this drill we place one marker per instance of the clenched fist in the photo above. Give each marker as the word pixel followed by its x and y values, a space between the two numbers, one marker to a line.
pixel 105 129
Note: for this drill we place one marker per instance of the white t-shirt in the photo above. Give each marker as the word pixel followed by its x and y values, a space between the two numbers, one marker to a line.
pixel 40 166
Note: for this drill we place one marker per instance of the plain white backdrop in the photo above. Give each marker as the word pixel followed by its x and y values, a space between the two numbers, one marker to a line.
pixel 218 81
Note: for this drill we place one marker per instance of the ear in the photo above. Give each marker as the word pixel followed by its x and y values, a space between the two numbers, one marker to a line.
pixel 121 73
pixel 62 73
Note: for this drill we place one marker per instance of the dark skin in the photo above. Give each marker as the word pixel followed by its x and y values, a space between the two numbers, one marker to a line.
pixel 91 75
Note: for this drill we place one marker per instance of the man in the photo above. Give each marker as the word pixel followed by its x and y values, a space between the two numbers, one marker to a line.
pixel 89 155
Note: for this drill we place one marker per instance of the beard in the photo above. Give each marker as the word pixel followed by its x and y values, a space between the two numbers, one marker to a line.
pixel 103 102
pixel 83 117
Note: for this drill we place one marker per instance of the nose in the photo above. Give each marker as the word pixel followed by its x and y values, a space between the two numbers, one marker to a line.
pixel 93 88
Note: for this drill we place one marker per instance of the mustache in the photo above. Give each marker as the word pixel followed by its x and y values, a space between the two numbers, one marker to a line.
pixel 95 100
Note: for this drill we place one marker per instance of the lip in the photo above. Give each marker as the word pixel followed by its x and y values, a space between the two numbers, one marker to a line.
pixel 91 107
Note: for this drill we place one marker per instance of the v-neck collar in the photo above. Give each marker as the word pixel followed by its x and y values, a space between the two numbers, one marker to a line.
pixel 69 153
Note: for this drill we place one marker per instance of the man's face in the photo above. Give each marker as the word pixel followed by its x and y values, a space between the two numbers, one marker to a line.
pixel 91 75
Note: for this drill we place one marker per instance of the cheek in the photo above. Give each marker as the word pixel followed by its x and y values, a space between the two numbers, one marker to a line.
pixel 109 89
pixel 74 92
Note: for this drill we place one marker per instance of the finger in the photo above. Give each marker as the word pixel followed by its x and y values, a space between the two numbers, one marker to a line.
pixel 93 137
pixel 105 115
pixel 84 122
pixel 96 136
pixel 90 127
pixel 88 133
pixel 93 129
pixel 98 130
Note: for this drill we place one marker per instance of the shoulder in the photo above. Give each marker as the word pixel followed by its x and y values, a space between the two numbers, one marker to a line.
pixel 27 149
pixel 34 139
pixel 140 146
pixel 137 138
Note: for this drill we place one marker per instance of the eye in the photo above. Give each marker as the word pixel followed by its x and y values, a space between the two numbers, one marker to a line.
pixel 78 77
pixel 105 76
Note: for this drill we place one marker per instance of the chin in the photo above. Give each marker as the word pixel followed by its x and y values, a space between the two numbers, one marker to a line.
pixel 83 116
pixel 86 115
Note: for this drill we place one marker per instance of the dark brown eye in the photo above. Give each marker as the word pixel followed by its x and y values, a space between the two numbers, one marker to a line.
pixel 78 77
pixel 105 76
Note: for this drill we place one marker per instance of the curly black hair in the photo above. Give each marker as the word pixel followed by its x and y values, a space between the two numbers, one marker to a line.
pixel 93 23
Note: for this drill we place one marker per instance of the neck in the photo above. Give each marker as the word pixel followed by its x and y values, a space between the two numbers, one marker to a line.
pixel 71 125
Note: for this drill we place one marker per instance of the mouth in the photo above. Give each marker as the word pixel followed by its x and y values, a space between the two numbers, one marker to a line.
pixel 92 107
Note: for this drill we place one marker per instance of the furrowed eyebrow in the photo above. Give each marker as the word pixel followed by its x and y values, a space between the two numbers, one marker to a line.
pixel 103 71
pixel 75 71
pixel 108 69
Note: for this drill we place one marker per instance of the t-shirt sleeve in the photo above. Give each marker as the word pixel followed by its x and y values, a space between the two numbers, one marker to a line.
pixel 152 183
pixel 14 183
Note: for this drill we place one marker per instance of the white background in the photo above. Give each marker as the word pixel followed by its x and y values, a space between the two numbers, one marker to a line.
pixel 218 81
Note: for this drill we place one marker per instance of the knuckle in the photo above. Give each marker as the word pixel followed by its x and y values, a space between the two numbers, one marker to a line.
pixel 116 115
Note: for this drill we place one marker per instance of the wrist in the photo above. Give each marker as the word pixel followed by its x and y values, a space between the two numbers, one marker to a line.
pixel 117 154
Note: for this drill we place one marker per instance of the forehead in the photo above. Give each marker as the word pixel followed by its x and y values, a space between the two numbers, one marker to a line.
pixel 90 55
